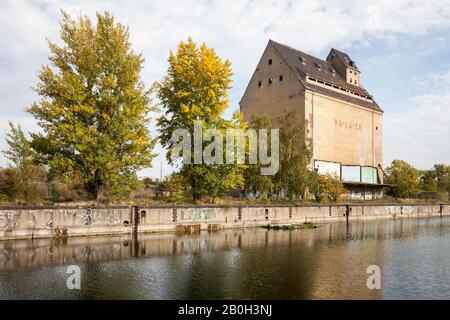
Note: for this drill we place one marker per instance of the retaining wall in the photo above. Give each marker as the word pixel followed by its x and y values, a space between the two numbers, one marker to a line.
pixel 42 222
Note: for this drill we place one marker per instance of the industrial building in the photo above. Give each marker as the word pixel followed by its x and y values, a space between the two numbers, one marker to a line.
pixel 344 122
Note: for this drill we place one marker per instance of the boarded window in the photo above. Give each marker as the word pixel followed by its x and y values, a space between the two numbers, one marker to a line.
pixel 369 175
pixel 324 167
pixel 351 173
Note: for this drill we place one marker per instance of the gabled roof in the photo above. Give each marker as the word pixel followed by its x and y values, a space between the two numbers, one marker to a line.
pixel 303 65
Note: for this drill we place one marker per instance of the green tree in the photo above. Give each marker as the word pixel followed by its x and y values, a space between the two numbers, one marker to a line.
pixel 295 156
pixel 24 179
pixel 196 88
pixel 442 173
pixel 317 186
pixel 428 180
pixel 405 177
pixel 255 183
pixel 10 184
pixel 94 108
pixel 19 151
pixel 176 185
pixel 333 186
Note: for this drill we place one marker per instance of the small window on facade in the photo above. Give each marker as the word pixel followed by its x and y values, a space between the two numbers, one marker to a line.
pixel 356 82
pixel 351 81
pixel 376 128
pixel 259 83
pixel 303 60
pixel 270 80
pixel 270 61
pixel 280 78
pixel 333 73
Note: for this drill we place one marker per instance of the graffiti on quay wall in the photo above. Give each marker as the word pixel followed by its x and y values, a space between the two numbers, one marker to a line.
pixel 198 214
pixel 91 216
pixel 8 220
pixel 107 216
pixel 88 217
pixel 368 195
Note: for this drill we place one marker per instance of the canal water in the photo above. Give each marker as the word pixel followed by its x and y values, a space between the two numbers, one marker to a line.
pixel 329 262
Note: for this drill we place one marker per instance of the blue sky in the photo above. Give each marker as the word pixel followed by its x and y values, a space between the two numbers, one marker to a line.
pixel 401 47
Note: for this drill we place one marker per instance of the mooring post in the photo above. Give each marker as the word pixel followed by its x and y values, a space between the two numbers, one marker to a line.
pixel 134 229
pixel 441 209
pixel 134 219
pixel 347 212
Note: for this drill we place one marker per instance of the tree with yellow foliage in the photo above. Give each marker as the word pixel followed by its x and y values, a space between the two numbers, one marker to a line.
pixel 94 108
pixel 196 89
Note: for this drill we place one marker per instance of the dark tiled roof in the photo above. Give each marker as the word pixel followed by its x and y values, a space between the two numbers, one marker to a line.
pixel 306 65
pixel 344 58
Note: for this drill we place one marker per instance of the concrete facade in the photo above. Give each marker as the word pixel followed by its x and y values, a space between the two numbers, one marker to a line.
pixel 273 99
pixel 60 222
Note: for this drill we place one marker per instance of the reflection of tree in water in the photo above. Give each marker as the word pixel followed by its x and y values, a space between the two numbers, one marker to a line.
pixel 328 262
pixel 280 269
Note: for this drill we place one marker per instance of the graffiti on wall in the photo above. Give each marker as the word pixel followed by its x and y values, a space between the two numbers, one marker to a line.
pixel 90 216
pixel 407 209
pixel 198 214
pixel 368 195
pixel 107 216
pixel 8 220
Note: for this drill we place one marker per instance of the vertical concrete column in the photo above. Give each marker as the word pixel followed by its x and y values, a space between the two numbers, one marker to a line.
pixel 348 209
pixel 135 219
pixel 134 228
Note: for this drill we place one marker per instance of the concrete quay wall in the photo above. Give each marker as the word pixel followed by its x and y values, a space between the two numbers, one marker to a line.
pixel 60 222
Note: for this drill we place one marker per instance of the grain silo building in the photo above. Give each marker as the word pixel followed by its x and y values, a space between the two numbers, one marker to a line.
pixel 345 123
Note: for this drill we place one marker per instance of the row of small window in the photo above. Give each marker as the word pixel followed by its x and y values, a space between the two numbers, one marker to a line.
pixel 356 81
pixel 280 79
pixel 340 88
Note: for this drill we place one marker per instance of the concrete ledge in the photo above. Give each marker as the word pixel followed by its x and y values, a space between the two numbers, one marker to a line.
pixel 46 221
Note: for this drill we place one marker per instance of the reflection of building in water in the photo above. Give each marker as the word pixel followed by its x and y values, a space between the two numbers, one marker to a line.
pixel 340 270
pixel 328 262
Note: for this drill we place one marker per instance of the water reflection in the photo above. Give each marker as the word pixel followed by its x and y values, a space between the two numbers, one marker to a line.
pixel 325 263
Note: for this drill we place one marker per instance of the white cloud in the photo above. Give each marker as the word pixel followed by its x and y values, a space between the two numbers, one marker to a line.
pixel 420 134
pixel 238 30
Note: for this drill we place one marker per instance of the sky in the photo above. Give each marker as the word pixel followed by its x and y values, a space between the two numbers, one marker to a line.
pixel 401 47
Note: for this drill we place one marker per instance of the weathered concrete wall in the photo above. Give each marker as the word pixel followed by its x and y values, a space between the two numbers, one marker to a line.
pixel 343 132
pixel 273 98
pixel 41 222
pixel 59 222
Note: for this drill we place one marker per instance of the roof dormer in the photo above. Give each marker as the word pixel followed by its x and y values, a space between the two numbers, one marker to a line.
pixel 345 66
